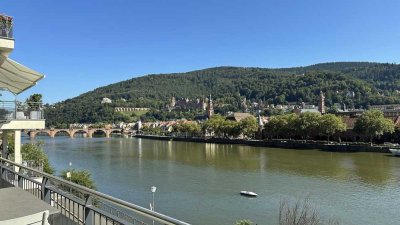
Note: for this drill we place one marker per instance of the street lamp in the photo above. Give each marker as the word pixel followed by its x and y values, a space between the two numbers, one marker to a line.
pixel 70 170
pixel 69 174
pixel 153 190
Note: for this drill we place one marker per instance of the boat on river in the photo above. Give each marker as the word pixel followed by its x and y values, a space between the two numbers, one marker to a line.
pixel 395 151
pixel 248 194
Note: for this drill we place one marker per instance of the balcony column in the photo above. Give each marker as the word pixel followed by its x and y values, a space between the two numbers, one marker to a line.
pixel 17 146
pixel 5 144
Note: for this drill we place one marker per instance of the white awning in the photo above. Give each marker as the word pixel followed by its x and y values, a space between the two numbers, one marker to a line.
pixel 15 77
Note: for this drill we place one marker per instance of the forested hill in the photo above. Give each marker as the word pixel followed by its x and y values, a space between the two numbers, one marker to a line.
pixel 357 84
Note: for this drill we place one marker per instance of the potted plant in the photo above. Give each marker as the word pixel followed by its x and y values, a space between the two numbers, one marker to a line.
pixel 34 103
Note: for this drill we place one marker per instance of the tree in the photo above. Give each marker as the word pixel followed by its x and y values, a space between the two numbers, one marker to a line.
pixel 34 101
pixel 152 130
pixel 248 126
pixel 81 177
pixel 330 124
pixel 214 125
pixel 282 125
pixel 274 125
pixel 187 128
pixel 373 124
pixel 10 142
pixel 333 109
pixel 35 153
pixel 301 212
pixel 231 128
pixel 307 124
pixel 289 128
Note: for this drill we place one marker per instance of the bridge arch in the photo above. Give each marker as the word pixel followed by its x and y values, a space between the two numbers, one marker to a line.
pixel 116 131
pixel 40 133
pixel 79 131
pixel 62 131
pixel 98 131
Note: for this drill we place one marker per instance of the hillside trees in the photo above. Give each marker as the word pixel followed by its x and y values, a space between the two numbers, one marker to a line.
pixel 372 83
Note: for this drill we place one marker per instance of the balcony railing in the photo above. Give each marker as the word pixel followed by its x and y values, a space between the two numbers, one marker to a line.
pixel 77 204
pixel 6 27
pixel 14 110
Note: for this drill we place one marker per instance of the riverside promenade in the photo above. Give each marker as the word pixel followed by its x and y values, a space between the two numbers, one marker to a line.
pixel 290 144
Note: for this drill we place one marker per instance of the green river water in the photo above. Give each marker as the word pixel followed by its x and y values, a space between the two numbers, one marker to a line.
pixel 199 183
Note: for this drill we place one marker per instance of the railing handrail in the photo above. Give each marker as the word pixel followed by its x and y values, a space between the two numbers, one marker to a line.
pixel 12 110
pixel 19 102
pixel 138 209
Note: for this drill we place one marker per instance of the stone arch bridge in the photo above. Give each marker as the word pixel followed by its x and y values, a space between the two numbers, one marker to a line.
pixel 87 132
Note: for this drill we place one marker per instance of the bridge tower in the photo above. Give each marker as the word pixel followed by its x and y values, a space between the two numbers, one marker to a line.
pixel 210 108
pixel 321 103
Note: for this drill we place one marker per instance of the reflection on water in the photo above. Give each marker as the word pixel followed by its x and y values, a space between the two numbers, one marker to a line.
pixel 199 182
pixel 371 168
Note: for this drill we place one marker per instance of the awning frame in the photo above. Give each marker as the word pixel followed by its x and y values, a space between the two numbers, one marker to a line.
pixel 16 77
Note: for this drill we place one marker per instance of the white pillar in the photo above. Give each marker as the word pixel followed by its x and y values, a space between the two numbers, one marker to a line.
pixel 5 143
pixel 17 146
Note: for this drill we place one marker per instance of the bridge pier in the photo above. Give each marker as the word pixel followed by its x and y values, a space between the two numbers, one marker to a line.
pixel 32 134
pixel 52 133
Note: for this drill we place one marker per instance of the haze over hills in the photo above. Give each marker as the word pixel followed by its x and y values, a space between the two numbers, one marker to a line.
pixel 356 84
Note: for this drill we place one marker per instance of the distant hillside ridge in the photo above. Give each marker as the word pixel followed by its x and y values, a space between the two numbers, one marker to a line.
pixel 355 84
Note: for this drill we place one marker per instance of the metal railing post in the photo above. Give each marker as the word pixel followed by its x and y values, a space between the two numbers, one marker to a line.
pixel 15 109
pixel 89 213
pixel 20 181
pixel 46 193
pixel 3 171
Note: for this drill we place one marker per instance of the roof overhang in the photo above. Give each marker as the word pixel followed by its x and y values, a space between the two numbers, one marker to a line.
pixel 15 77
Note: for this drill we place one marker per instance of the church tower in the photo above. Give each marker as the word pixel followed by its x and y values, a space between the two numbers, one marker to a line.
pixel 321 103
pixel 210 108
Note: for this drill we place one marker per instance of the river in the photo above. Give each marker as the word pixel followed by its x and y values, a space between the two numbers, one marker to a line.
pixel 199 182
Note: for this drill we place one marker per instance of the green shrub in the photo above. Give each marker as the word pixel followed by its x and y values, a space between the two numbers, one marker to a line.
pixel 35 153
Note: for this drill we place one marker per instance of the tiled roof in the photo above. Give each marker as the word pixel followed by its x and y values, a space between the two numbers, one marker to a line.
pixel 238 116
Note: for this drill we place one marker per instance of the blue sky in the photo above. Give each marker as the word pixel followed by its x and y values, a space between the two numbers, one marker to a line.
pixel 83 44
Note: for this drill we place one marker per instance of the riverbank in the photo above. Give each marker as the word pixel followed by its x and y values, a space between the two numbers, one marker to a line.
pixel 292 144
